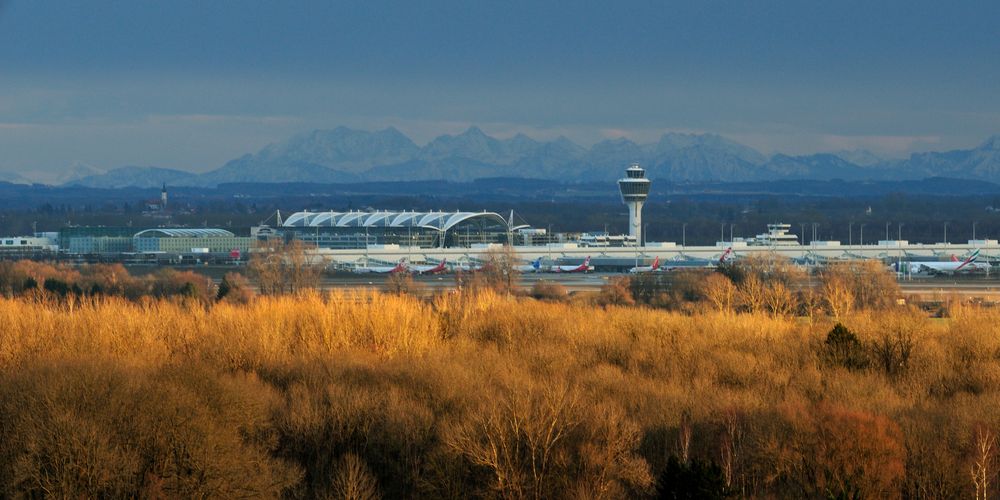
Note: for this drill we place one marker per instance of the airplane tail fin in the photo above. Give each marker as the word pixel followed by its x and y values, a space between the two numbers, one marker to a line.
pixel 972 259
pixel 656 263
pixel 725 255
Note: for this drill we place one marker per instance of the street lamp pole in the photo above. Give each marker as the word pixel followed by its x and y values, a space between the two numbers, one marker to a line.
pixel 899 234
pixel 850 234
pixel 862 235
pixel 684 227
pixel 887 230
pixel 945 232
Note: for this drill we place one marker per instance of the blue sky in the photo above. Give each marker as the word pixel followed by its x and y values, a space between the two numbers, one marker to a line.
pixel 191 84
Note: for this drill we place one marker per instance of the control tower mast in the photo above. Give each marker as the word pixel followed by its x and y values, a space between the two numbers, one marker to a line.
pixel 635 189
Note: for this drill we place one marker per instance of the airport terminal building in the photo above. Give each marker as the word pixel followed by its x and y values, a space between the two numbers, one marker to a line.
pixel 187 240
pixel 351 230
pixel 105 242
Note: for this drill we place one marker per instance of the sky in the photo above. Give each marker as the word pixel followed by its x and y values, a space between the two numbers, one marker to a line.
pixel 193 84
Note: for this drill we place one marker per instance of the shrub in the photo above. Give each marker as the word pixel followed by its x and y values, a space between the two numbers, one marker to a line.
pixel 842 348
pixel 616 292
pixel 644 288
pixel 548 290
pixel 170 283
pixel 235 289
pixel 56 287
pixel 403 284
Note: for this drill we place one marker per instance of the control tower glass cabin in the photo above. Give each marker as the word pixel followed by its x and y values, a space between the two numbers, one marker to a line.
pixel 635 189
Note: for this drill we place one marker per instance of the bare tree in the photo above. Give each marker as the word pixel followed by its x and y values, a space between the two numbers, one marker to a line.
pixel 500 269
pixel 518 438
pixel 684 432
pixel 893 346
pixel 779 300
pixel 279 267
pixel 838 296
pixel 982 470
pixel 868 285
pixel 733 442
pixel 353 480
pixel 810 301
pixel 751 292
pixel 402 283
pixel 720 291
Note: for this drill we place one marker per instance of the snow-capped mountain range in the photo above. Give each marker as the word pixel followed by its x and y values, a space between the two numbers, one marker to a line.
pixel 348 155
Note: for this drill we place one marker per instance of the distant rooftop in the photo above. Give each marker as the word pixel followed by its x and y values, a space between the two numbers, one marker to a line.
pixel 183 233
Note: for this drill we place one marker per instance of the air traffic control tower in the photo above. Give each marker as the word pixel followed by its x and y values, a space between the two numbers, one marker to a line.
pixel 635 189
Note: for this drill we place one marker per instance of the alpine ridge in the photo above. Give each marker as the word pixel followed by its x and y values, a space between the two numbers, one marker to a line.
pixel 348 155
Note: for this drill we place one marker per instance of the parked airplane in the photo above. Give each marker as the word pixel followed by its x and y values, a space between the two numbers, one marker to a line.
pixel 467 266
pixel 582 268
pixel 726 256
pixel 647 269
pixel 955 266
pixel 533 267
pixel 400 267
pixel 440 267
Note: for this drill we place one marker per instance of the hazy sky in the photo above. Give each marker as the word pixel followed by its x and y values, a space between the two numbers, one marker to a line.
pixel 191 84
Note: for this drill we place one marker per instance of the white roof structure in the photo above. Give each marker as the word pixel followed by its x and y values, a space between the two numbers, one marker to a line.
pixel 172 232
pixel 439 221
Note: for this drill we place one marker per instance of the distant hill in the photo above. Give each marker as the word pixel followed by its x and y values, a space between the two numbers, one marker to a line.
pixel 13 178
pixel 137 177
pixel 346 155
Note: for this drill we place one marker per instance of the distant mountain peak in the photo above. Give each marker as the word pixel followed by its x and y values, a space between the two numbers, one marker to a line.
pixel 473 131
pixel 992 144
pixel 861 157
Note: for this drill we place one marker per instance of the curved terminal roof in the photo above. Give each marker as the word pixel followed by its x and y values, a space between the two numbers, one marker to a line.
pixel 440 221
pixel 170 232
